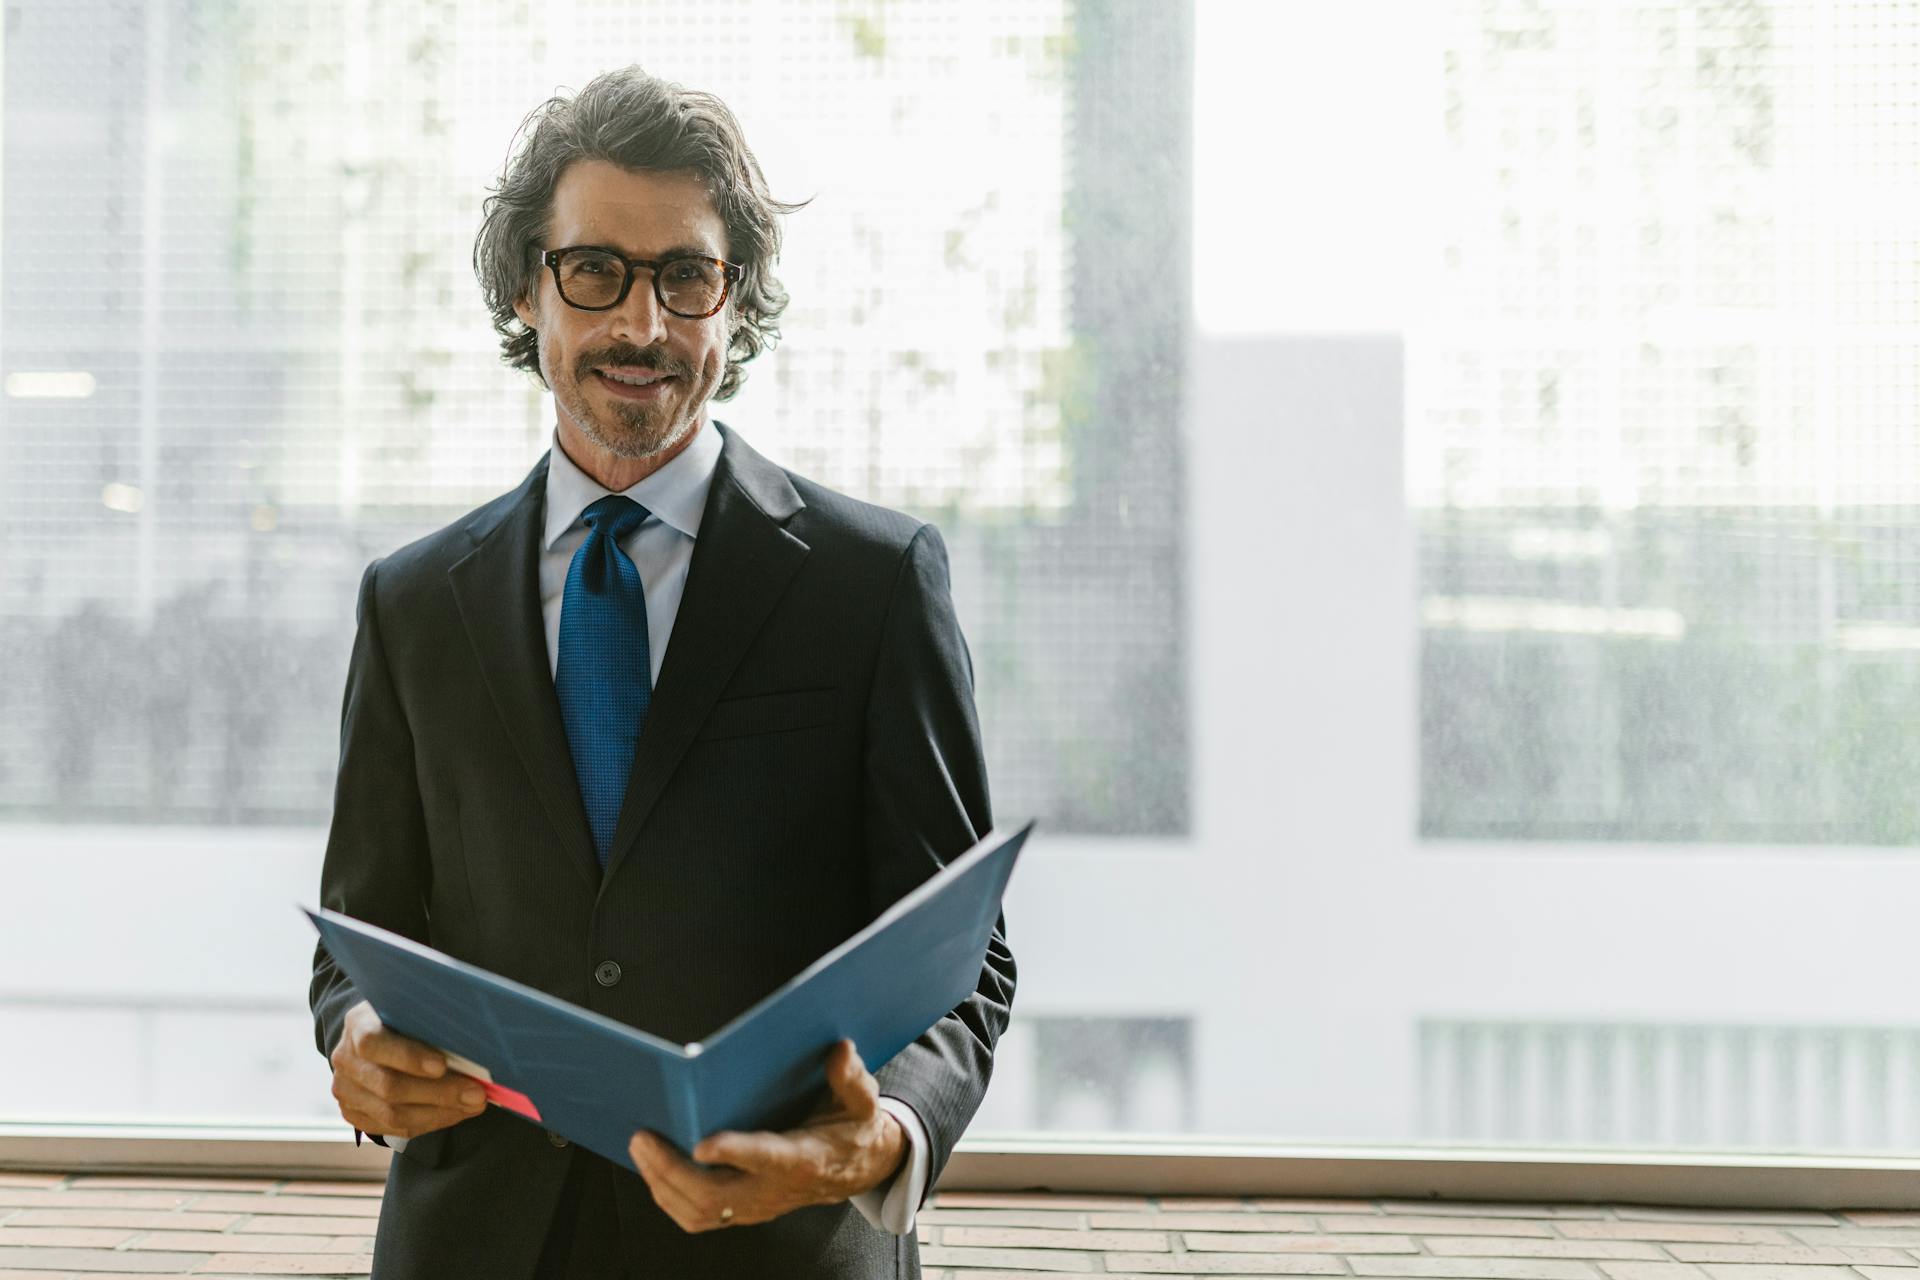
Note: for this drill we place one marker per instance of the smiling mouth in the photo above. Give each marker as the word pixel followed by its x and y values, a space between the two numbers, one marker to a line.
pixel 634 379
pixel 635 386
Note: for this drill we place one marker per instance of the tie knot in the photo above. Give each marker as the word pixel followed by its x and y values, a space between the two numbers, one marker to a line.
pixel 615 515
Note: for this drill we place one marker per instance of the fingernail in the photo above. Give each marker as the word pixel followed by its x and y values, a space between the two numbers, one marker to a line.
pixel 472 1097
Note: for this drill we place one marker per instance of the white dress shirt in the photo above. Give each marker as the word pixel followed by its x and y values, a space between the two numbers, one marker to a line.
pixel 662 550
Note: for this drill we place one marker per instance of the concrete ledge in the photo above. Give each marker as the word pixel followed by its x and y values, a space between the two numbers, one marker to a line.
pixel 1746 1179
pixel 1092 1165
pixel 262 1151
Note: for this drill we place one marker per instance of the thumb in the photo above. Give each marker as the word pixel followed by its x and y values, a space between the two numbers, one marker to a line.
pixel 854 1087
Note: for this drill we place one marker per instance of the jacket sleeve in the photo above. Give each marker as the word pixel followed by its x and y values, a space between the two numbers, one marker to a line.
pixel 376 866
pixel 926 802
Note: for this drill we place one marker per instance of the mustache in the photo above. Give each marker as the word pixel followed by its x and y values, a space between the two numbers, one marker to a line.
pixel 651 357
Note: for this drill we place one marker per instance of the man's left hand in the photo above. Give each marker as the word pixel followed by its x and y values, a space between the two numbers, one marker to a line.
pixel 851 1147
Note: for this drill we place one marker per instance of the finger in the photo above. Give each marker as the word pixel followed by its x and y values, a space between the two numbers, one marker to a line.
pixel 659 1158
pixel 758 1152
pixel 685 1193
pixel 374 1115
pixel 353 1091
pixel 688 1216
pixel 399 1053
pixel 708 1188
pixel 414 1121
pixel 852 1066
pixel 854 1087
pixel 454 1093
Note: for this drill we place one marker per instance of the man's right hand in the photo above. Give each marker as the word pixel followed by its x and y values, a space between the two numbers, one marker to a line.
pixel 392 1086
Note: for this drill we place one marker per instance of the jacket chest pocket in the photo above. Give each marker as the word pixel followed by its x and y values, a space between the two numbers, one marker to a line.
pixel 769 713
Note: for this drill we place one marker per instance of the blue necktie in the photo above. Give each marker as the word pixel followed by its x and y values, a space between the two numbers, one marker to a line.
pixel 603 674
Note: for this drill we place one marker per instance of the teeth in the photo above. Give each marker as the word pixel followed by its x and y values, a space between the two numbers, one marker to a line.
pixel 631 380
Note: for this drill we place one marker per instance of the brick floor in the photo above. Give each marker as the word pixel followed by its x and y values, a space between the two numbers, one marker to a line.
pixel 52 1225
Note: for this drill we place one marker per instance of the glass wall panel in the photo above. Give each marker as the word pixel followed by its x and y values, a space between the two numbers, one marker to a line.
pixel 1433 491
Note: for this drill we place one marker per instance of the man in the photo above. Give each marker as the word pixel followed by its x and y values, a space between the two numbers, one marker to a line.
pixel 651 732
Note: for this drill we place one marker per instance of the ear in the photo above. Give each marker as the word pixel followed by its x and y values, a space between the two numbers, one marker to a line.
pixel 523 307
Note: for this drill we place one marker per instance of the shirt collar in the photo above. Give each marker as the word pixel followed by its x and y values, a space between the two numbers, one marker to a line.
pixel 676 493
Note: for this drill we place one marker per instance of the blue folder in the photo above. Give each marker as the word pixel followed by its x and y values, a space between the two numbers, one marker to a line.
pixel 596 1081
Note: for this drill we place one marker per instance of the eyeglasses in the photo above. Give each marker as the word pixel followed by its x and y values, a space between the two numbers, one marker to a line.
pixel 593 278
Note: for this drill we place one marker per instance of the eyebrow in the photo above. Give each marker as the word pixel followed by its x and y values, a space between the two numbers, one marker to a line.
pixel 665 255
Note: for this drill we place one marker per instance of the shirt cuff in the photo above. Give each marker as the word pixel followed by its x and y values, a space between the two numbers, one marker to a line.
pixel 892 1206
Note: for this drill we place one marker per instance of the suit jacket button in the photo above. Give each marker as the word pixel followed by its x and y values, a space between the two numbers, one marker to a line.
pixel 607 974
pixel 556 1139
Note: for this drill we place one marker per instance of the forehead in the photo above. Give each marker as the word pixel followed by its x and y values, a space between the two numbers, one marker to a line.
pixel 638 211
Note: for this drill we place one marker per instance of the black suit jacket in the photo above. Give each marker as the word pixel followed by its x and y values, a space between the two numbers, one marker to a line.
pixel 811 754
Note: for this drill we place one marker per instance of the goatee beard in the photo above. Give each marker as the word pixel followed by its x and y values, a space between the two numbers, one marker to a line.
pixel 635 434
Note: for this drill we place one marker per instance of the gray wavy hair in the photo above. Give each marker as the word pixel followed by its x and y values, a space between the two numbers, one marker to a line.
pixel 637 121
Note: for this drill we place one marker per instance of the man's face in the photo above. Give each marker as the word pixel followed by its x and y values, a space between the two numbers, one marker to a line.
pixel 591 359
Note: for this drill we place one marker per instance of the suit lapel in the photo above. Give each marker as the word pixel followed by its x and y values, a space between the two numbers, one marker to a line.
pixel 497 589
pixel 742 562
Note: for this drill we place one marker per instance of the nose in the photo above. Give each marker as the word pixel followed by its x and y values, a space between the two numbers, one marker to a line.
pixel 640 319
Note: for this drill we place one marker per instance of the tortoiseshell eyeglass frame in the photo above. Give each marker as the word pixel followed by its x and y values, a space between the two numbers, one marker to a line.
pixel 729 273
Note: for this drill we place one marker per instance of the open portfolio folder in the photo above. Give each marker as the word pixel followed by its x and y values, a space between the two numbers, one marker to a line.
pixel 596 1081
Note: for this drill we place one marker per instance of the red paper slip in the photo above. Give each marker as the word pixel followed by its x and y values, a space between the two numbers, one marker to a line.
pixel 511 1099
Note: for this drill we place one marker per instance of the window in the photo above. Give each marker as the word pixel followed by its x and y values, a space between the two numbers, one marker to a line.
pixel 245 354
pixel 1430 489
